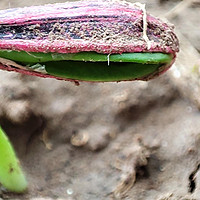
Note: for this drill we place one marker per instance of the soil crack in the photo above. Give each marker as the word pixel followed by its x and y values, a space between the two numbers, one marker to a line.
pixel 192 179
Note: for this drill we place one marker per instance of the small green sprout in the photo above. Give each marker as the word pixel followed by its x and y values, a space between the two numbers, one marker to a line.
pixel 11 175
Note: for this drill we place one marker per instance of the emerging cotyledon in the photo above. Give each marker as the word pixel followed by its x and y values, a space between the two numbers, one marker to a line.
pixel 95 41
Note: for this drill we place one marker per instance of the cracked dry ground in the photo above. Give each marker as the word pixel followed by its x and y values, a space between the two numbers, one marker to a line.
pixel 132 140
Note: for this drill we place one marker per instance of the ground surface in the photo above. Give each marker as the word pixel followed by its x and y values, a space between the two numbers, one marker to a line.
pixel 135 140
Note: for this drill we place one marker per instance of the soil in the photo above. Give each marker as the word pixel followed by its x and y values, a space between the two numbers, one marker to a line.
pixel 129 140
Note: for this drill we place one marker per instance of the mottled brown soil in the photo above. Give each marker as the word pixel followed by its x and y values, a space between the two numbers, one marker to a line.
pixel 130 140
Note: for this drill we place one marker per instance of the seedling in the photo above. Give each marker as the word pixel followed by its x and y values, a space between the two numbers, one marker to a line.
pixel 95 41
pixel 11 175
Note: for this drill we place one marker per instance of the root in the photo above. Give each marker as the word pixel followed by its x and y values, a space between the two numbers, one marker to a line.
pixel 145 37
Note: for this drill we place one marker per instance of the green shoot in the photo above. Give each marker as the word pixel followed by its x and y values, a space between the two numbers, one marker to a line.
pixel 11 175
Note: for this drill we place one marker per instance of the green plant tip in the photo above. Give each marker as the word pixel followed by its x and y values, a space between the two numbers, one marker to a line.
pixel 11 175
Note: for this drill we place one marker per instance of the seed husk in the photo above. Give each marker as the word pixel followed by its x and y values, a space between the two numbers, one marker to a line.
pixel 114 41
